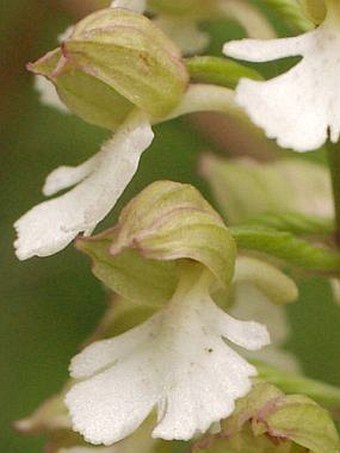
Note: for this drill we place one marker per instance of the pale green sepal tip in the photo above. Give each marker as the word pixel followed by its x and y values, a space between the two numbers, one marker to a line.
pixel 85 95
pixel 147 283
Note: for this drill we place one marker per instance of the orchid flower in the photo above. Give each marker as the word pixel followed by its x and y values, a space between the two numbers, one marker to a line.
pixel 177 362
pixel 99 182
pixel 300 108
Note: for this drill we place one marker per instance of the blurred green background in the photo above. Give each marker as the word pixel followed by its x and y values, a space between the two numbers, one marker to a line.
pixel 48 306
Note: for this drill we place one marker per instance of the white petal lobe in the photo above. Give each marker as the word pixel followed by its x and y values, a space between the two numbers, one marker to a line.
pixel 64 177
pixel 300 108
pixel 52 225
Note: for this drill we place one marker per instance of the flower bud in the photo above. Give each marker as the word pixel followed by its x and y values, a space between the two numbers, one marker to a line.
pixel 114 60
pixel 268 420
pixel 166 223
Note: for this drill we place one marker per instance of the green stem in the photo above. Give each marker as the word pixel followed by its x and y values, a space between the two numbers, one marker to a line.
pixel 334 167
pixel 218 71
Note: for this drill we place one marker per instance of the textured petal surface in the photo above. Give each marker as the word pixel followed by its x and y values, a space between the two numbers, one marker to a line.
pixel 300 108
pixel 177 361
pixel 52 225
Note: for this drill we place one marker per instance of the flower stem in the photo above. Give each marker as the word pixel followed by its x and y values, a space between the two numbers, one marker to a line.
pixel 334 168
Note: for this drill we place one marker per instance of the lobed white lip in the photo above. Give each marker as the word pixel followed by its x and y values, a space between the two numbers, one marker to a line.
pixel 300 108
pixel 177 362
pixel 52 225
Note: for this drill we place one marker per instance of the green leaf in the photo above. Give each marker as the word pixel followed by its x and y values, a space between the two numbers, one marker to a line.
pixel 296 223
pixel 218 71
pixel 287 247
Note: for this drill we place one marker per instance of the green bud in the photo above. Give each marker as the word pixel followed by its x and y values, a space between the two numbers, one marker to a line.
pixel 166 223
pixel 114 60
pixel 268 420
pixel 300 419
pixel 315 10
pixel 170 221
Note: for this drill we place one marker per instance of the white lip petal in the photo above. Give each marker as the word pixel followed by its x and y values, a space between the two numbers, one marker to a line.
pixel 101 354
pixel 301 107
pixel 110 406
pixel 64 177
pixel 260 50
pixel 177 362
pixel 52 225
